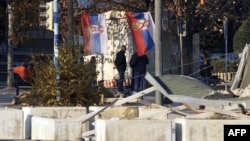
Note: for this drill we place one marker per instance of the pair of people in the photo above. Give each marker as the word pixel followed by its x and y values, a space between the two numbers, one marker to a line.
pixel 138 64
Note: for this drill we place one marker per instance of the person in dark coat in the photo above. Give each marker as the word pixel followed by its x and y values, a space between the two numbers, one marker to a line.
pixel 92 68
pixel 121 65
pixel 139 64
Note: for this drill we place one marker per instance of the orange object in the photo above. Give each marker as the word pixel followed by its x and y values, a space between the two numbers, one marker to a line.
pixel 25 71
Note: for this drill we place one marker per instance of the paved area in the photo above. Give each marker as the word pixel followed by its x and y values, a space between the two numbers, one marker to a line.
pixel 177 85
pixel 6 96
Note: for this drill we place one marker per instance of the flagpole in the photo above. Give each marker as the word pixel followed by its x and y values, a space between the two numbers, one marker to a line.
pixel 158 47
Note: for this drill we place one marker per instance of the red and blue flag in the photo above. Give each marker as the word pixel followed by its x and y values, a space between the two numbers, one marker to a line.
pixel 94 33
pixel 143 29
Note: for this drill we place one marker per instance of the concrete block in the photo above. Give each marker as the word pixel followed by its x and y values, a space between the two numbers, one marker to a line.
pixel 203 129
pixel 134 130
pixel 49 112
pixel 11 124
pixel 55 129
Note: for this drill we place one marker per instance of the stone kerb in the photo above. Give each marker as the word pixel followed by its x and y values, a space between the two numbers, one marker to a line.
pixel 50 112
pixel 203 129
pixel 11 124
pixel 55 129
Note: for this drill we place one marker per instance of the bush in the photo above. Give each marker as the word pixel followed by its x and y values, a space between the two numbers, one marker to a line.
pixel 218 65
pixel 76 81
pixel 241 37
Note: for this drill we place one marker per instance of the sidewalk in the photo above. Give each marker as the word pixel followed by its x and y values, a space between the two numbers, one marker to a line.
pixel 6 96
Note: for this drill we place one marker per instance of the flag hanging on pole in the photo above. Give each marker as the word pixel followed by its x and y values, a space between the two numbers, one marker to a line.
pixel 143 31
pixel 94 33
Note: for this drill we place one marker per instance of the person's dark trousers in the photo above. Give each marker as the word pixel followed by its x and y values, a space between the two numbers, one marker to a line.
pixel 142 84
pixel 139 81
pixel 120 81
pixel 132 82
pixel 136 81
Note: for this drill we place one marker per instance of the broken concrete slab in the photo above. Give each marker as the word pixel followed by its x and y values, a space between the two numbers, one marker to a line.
pixel 190 91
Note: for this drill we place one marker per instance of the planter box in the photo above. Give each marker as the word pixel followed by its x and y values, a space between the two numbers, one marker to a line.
pixel 134 130
pixel 11 124
pixel 55 129
pixel 203 129
pixel 49 112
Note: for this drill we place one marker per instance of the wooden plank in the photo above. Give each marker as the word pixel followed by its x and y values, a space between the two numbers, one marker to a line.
pixel 88 133
pixel 134 96
pixel 165 110
pixel 225 112
pixel 200 116
pixel 153 114
pixel 110 100
pixel 92 114
pixel 191 108
pixel 115 103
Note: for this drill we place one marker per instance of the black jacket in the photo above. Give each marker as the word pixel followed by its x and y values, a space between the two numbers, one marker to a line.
pixel 139 63
pixel 120 60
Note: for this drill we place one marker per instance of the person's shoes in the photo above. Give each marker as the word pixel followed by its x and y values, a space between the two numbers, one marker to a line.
pixel 118 94
pixel 133 92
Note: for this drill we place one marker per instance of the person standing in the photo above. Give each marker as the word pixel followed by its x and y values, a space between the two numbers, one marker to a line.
pixel 139 64
pixel 92 69
pixel 121 65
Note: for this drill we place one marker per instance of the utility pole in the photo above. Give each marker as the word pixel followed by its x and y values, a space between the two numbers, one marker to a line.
pixel 51 15
pixel 158 46
pixel 225 25
pixel 56 50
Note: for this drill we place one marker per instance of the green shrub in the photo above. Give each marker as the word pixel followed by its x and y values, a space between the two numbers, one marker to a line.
pixel 218 65
pixel 241 37
pixel 75 81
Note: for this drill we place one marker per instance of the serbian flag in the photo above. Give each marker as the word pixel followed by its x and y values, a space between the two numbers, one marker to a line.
pixel 142 28
pixel 94 31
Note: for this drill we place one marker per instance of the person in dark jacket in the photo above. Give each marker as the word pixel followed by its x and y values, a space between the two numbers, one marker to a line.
pixel 139 64
pixel 92 68
pixel 121 65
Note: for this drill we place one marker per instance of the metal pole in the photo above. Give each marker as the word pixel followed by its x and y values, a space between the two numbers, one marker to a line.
pixel 158 46
pixel 225 24
pixel 56 51
pixel 226 65
pixel 181 54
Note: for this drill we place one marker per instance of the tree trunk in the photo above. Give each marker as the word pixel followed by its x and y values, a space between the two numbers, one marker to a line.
pixel 10 50
pixel 70 35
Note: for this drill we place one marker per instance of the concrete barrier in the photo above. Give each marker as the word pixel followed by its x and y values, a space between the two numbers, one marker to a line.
pixel 49 112
pixel 203 129
pixel 11 124
pixel 134 130
pixel 55 129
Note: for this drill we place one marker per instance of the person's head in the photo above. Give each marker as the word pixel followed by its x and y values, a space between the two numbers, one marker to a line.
pixel 123 48
pixel 92 59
